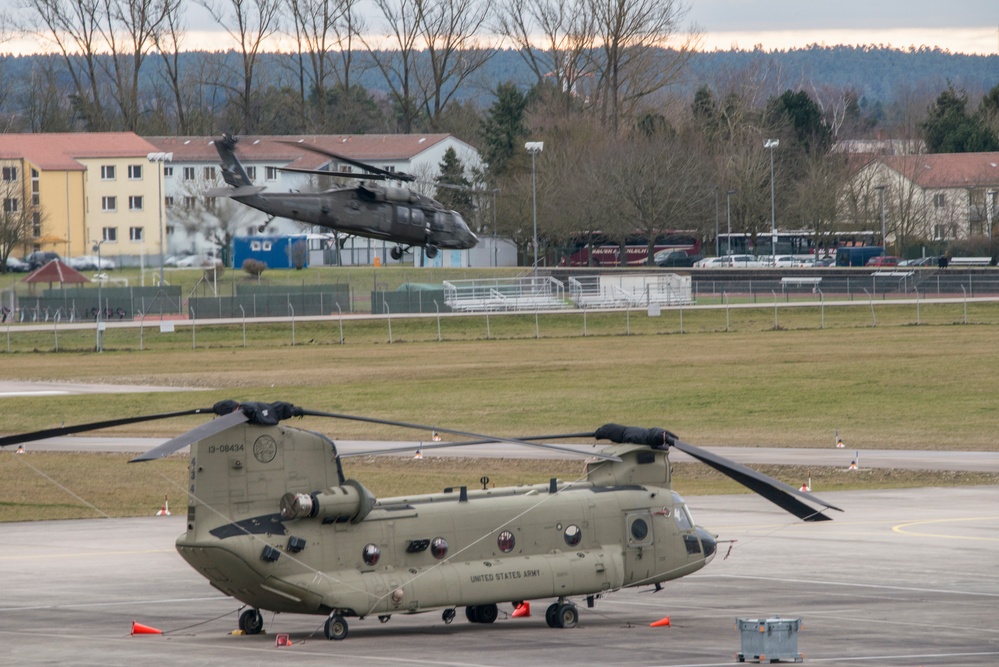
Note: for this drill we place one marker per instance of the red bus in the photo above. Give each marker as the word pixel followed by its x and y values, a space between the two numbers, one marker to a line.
pixel 595 249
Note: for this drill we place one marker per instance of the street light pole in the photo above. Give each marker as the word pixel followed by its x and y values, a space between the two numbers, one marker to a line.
pixel 535 147
pixel 772 144
pixel 728 205
pixel 884 240
pixel 159 159
pixel 990 204
pixel 100 305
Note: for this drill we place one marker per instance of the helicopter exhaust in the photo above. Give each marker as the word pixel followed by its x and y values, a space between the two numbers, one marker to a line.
pixel 350 502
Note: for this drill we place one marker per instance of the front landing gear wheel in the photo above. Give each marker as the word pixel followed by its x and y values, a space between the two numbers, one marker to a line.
pixel 396 253
pixel 551 615
pixel 567 616
pixel 448 616
pixel 251 622
pixel 335 628
pixel 431 251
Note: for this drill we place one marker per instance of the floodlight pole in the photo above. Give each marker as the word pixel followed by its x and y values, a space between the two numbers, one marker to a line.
pixel 535 147
pixel 728 204
pixel 772 144
pixel 158 159
pixel 990 199
pixel 100 295
pixel 884 240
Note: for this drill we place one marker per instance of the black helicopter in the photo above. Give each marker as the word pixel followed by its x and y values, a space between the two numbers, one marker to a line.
pixel 274 522
pixel 370 209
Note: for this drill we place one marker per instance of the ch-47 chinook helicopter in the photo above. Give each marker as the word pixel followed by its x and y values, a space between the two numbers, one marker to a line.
pixel 274 522
pixel 370 209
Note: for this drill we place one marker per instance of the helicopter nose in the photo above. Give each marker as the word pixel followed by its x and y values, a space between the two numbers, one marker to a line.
pixel 708 543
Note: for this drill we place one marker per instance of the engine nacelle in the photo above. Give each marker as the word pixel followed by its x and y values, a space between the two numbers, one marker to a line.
pixel 350 502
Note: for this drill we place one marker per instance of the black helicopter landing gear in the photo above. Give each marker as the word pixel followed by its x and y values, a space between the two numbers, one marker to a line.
pixel 430 251
pixel 263 227
pixel 562 614
pixel 483 613
pixel 251 622
pixel 335 627
pixel 448 615
pixel 397 252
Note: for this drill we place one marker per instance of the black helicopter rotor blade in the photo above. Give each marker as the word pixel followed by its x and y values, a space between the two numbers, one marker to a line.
pixel 467 434
pixel 532 439
pixel 394 175
pixel 93 426
pixel 206 430
pixel 777 492
pixel 338 174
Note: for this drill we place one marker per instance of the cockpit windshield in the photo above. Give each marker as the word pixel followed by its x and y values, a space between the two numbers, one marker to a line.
pixel 682 514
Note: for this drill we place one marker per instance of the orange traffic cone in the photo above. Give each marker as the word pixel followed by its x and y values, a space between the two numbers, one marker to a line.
pixel 418 454
pixel 661 623
pixel 165 509
pixel 282 639
pixel 523 610
pixel 140 629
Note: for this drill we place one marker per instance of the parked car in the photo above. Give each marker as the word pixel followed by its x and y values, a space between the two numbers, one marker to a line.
pixel 15 265
pixel 920 261
pixel 737 261
pixel 91 263
pixel 784 261
pixel 883 260
pixel 827 260
pixel 40 258
pixel 675 258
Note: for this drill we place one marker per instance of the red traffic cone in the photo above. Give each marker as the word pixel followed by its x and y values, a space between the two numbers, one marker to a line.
pixel 523 610
pixel 661 623
pixel 165 509
pixel 140 629
pixel 282 639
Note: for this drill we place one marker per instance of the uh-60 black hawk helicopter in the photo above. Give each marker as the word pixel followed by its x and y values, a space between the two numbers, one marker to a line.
pixel 370 209
pixel 274 522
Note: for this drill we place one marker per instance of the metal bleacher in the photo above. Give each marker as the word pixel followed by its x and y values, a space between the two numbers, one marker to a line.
pixel 499 294
pixel 626 291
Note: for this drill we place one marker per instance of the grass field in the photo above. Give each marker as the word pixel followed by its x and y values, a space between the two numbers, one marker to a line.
pixel 895 385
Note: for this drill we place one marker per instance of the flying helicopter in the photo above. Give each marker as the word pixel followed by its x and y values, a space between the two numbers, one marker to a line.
pixel 369 209
pixel 274 522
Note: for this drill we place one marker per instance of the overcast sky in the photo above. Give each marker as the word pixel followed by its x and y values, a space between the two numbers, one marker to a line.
pixel 960 26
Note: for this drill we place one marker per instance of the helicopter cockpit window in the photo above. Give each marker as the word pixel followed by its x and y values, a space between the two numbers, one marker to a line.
pixel 402 215
pixel 682 514
pixel 371 554
pixel 506 541
pixel 418 217
pixel 438 547
pixel 572 535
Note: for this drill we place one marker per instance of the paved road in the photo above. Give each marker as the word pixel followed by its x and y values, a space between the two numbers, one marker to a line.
pixel 907 577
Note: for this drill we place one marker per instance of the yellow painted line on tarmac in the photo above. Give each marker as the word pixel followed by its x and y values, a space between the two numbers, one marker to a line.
pixel 902 528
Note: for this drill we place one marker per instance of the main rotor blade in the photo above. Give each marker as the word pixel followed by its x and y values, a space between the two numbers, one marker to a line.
pixel 338 174
pixel 467 434
pixel 206 430
pixel 394 175
pixel 775 491
pixel 464 443
pixel 93 426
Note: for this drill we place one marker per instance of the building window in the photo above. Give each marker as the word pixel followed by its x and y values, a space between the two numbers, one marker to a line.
pixel 251 173
pixel 134 172
pixel 109 203
pixel 209 173
pixel 939 200
pixel 135 234
pixel 135 203
pixel 10 205
pixel 167 171
pixel 390 168
pixel 189 202
pixel 110 234
pixel 271 173
pixel 188 173
pixel 107 172
pixel 36 224
pixel 9 174
pixel 168 201
pixel 169 230
pixel 36 199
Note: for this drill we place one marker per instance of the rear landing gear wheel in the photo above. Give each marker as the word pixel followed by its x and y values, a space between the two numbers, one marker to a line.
pixel 431 251
pixel 335 628
pixel 551 615
pixel 483 613
pixel 448 616
pixel 251 622
pixel 396 253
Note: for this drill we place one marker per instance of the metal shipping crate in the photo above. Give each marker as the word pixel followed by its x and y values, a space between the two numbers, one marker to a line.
pixel 770 639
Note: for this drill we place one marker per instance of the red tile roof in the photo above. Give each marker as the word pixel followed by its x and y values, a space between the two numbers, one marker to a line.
pixel 55 272
pixel 273 148
pixel 947 170
pixel 59 151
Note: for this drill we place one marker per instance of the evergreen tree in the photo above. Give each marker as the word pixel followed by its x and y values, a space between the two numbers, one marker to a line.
pixel 453 189
pixel 805 119
pixel 503 128
pixel 949 129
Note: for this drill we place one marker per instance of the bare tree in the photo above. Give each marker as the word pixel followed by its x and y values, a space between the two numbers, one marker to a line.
pixel 398 64
pixel 637 52
pixel 250 23
pixel 16 217
pixel 555 40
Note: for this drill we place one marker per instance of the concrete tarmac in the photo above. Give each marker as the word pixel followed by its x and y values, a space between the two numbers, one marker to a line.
pixel 905 577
